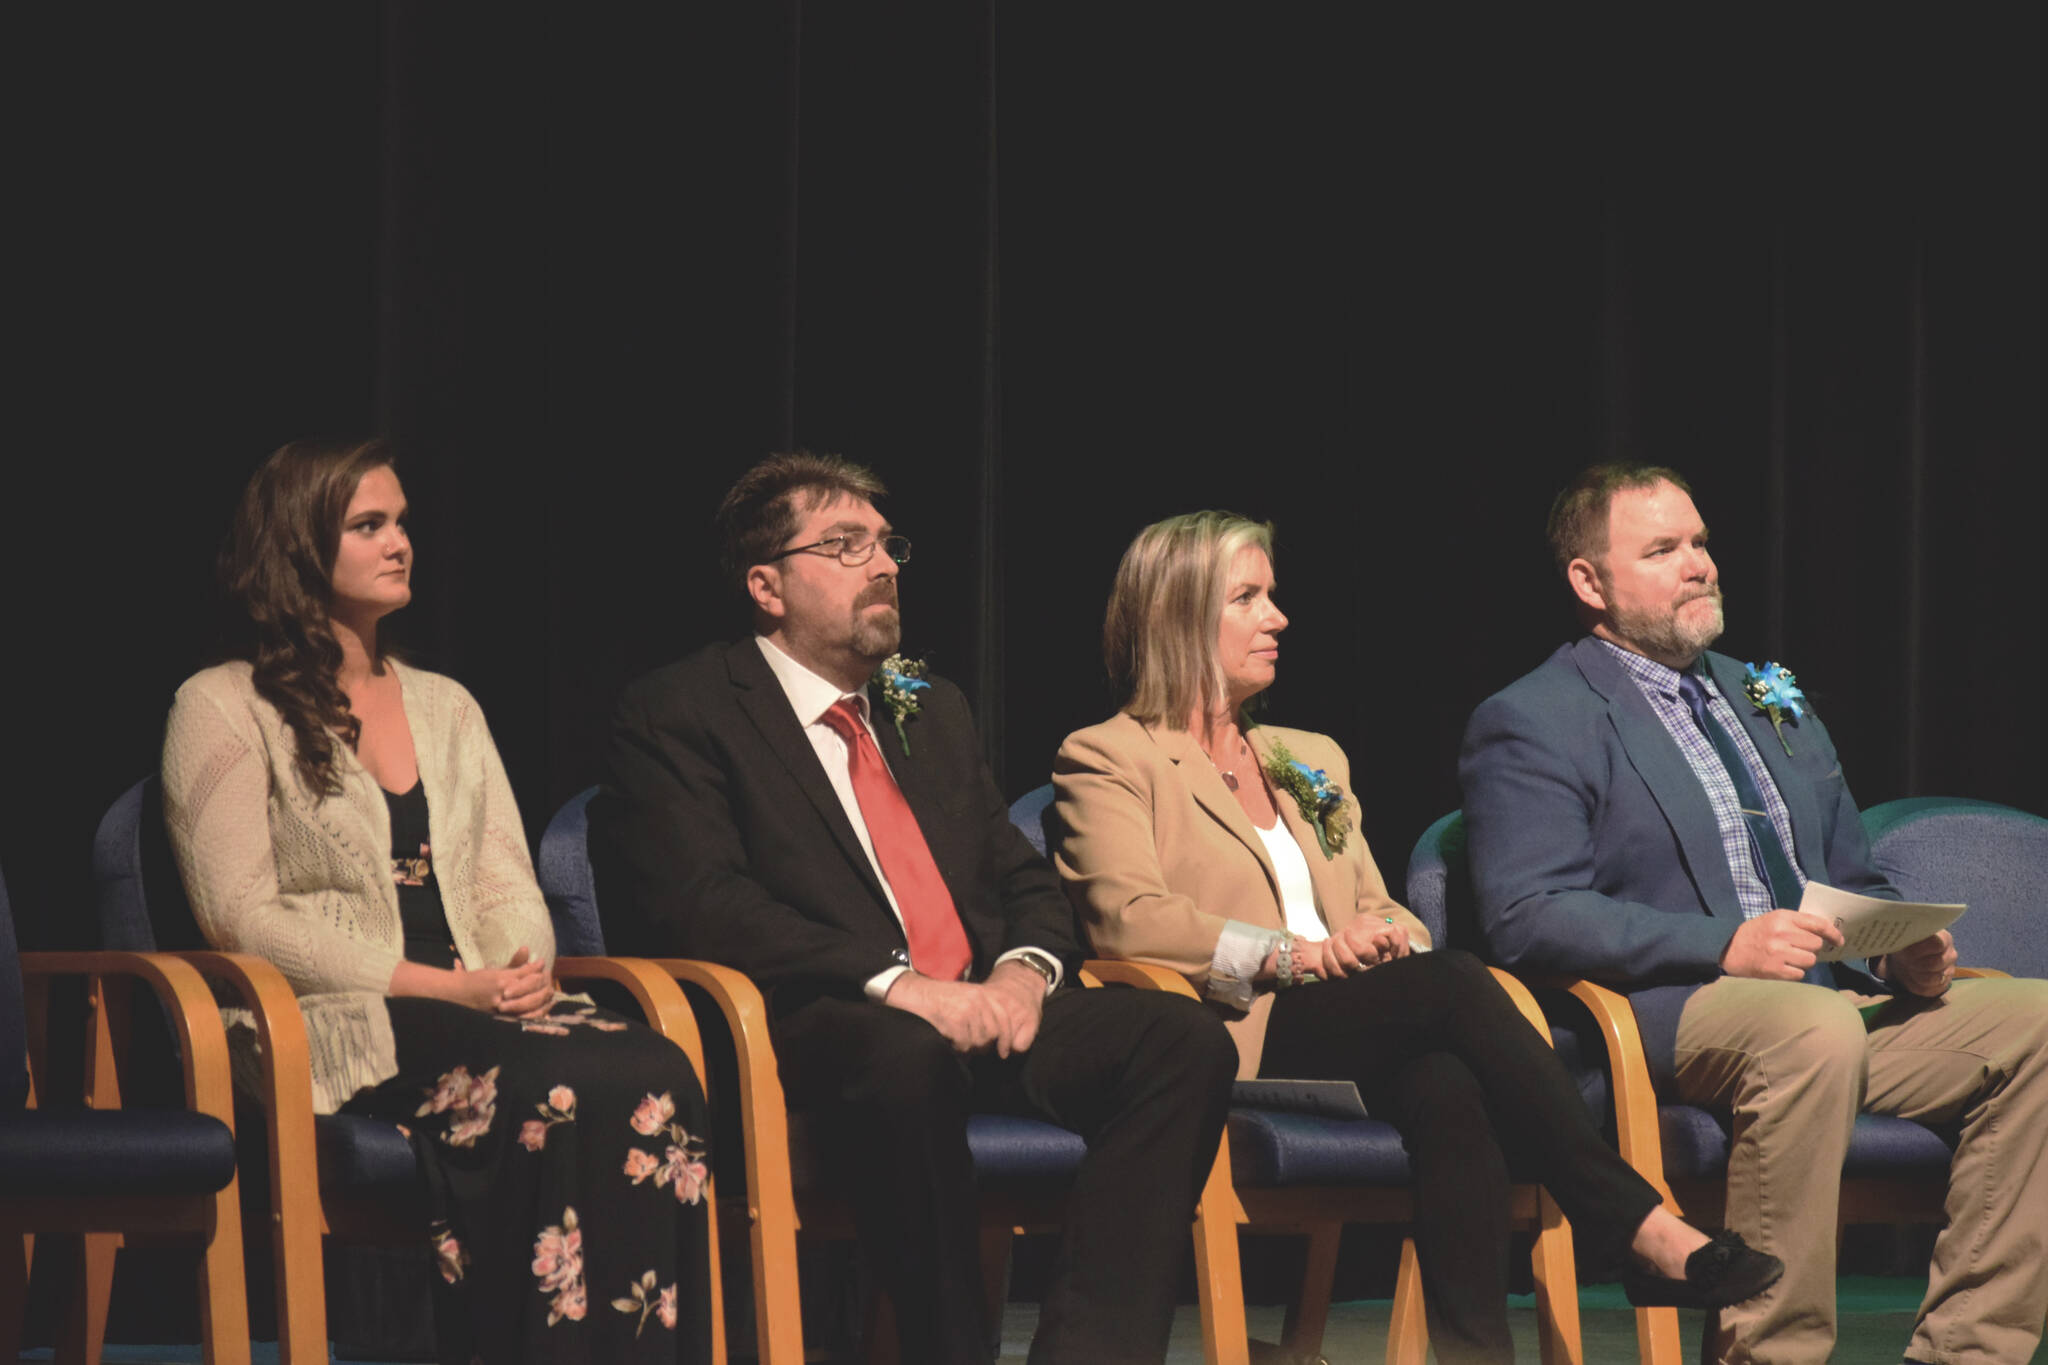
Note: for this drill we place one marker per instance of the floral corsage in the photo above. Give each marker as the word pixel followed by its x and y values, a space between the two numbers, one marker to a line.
pixel 901 680
pixel 1775 693
pixel 1320 800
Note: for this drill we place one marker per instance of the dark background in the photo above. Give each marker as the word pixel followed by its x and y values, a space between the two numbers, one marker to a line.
pixel 1055 271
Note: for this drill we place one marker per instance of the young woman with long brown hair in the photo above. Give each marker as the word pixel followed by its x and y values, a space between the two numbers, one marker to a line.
pixel 346 816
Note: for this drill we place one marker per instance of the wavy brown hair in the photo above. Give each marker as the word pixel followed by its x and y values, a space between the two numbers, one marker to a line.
pixel 278 567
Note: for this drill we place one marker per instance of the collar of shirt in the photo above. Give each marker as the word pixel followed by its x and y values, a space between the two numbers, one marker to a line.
pixel 1659 686
pixel 1648 673
pixel 810 695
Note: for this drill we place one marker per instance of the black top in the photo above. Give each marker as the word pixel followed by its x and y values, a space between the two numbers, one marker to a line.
pixel 427 940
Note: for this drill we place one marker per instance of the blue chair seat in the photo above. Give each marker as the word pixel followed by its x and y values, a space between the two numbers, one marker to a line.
pixel 362 1153
pixel 62 1153
pixel 1696 1145
pixel 1695 1142
pixel 1898 1149
pixel 1009 1150
pixel 1272 1148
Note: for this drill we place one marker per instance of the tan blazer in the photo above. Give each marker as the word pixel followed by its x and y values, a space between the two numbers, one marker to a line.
pixel 1157 854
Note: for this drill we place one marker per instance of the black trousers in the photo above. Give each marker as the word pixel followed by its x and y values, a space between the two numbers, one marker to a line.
pixel 1143 1077
pixel 1437 1049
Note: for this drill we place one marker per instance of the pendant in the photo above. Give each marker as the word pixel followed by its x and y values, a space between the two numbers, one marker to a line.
pixel 1229 779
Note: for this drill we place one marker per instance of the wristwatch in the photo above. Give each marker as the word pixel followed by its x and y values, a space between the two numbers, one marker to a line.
pixel 1039 965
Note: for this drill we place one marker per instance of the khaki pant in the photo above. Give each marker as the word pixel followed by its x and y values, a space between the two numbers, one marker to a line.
pixel 1794 1064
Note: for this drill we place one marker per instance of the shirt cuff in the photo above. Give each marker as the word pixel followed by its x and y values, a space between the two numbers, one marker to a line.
pixel 879 984
pixel 1240 951
pixel 1036 955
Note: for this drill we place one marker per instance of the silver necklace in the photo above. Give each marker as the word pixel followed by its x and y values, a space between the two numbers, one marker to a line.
pixel 1228 775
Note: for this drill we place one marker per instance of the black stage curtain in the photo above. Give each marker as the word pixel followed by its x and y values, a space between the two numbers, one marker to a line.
pixel 1055 272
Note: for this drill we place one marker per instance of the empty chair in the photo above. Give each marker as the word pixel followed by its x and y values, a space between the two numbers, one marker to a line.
pixel 78 1179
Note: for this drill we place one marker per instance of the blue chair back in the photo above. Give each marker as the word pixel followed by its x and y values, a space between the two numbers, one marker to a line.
pixel 1992 857
pixel 13 1019
pixel 1033 814
pixel 566 880
pixel 143 908
pixel 1441 896
pixel 1437 875
pixel 140 898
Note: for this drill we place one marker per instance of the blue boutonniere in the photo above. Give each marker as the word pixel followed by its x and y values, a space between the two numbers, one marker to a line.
pixel 901 680
pixel 1320 801
pixel 1775 693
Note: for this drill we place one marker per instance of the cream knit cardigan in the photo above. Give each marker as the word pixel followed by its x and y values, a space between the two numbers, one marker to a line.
pixel 306 883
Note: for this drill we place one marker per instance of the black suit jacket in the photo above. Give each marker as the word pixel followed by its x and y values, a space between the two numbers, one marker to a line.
pixel 717 835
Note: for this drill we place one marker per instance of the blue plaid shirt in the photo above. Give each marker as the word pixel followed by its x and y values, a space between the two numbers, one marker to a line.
pixel 1659 686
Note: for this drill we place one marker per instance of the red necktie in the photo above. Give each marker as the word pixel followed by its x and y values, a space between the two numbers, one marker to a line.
pixel 938 944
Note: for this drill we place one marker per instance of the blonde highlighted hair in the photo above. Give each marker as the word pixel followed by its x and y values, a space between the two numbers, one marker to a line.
pixel 1159 633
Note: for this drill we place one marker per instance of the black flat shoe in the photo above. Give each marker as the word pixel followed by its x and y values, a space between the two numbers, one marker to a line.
pixel 1726 1270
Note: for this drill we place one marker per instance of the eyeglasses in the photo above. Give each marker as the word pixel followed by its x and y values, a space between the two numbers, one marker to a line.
pixel 853 549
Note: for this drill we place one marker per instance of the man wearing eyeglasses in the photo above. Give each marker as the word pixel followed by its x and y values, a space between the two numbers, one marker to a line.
pixel 779 806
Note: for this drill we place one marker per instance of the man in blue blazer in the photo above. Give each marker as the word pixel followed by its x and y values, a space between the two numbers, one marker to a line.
pixel 1636 819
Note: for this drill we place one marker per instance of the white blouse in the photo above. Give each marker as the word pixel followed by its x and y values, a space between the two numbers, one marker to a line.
pixel 1297 890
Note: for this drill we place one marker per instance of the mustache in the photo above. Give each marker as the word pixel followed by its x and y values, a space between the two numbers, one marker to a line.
pixel 882 590
pixel 1712 590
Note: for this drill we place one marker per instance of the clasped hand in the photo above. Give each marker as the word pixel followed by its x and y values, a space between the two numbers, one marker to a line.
pixel 520 989
pixel 974 1016
pixel 1358 946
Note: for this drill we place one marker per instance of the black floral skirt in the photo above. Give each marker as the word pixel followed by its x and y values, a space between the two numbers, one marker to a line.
pixel 565 1162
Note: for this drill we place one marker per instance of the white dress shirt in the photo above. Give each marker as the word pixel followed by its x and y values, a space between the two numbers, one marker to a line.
pixel 811 696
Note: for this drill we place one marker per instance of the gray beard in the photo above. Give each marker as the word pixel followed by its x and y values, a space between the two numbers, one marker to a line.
pixel 1663 637
pixel 877 637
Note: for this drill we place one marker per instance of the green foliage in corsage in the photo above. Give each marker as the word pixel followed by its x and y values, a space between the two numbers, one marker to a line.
pixel 1320 801
pixel 901 680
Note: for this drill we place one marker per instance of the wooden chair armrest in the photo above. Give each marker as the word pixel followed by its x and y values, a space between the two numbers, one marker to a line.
pixel 667 1011
pixel 654 991
pixel 1524 1001
pixel 286 1079
pixel 1637 1132
pixel 259 987
pixel 202 1041
pixel 740 1001
pixel 764 1114
pixel 1219 1196
pixel 1143 975
pixel 764 1127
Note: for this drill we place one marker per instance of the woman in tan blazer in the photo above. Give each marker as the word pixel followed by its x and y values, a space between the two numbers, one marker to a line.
pixel 1229 851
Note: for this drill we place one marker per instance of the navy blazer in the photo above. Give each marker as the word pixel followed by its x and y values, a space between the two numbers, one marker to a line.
pixel 717 835
pixel 1595 851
